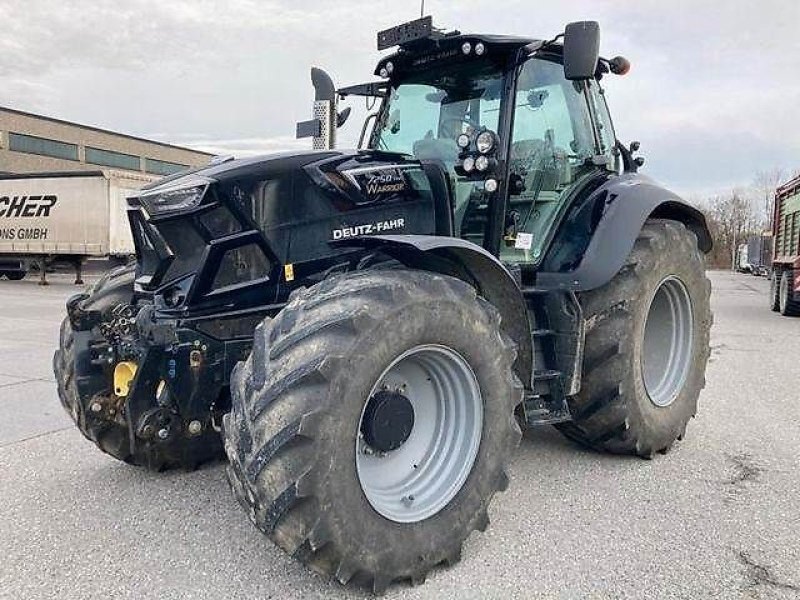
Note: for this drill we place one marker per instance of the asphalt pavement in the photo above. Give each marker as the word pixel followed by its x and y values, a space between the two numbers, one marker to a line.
pixel 718 517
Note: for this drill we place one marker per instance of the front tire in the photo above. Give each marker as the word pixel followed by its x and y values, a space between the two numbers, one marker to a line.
pixel 647 344
pixel 296 429
pixel 16 275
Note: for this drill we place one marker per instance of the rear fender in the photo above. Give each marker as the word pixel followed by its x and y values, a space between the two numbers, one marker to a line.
pixel 598 234
pixel 474 265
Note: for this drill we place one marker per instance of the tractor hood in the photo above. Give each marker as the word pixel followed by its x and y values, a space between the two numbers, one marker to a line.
pixel 230 167
pixel 215 231
pixel 351 172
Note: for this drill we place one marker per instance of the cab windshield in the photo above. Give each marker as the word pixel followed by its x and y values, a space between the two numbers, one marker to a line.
pixel 424 116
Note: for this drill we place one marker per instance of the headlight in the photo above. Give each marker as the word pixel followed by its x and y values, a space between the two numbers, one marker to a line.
pixel 468 165
pixel 178 199
pixel 482 163
pixel 463 141
pixel 485 142
pixel 490 185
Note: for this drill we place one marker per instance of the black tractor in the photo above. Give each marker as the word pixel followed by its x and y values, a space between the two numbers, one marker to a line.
pixel 365 332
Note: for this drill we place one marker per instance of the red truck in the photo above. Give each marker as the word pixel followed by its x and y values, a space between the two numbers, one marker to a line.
pixel 785 280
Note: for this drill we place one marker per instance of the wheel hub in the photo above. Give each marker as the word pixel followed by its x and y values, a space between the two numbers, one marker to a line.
pixel 388 420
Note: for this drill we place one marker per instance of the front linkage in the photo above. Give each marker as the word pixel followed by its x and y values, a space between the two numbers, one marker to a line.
pixel 146 392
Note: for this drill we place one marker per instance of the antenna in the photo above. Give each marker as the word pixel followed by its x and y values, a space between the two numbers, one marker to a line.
pixel 422 9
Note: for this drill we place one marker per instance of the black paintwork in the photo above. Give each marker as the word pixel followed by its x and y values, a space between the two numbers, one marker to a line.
pixel 290 207
pixel 443 49
pixel 599 229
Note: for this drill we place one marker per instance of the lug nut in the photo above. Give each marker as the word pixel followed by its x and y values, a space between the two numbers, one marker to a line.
pixel 407 500
pixel 195 427
pixel 163 434
pixel 147 431
pixel 96 407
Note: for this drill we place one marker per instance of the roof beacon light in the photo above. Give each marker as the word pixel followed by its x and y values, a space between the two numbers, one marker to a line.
pixel 390 67
pixel 466 48
pixel 480 49
pixel 384 72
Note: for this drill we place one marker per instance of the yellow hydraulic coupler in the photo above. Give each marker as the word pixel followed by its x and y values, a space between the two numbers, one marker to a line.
pixel 124 373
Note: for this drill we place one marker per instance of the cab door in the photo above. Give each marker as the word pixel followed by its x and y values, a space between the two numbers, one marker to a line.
pixel 552 151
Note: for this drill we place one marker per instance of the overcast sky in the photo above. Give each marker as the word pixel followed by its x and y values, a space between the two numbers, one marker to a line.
pixel 713 94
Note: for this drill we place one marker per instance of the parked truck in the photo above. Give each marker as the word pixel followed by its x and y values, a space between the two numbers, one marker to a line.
pixel 785 280
pixel 755 256
pixel 64 217
pixel 759 253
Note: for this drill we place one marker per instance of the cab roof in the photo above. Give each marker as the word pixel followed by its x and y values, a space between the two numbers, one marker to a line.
pixel 420 53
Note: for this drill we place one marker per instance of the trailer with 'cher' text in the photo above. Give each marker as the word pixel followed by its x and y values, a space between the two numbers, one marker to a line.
pixel 69 217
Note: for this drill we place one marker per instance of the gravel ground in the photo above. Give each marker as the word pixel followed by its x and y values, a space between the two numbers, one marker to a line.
pixel 718 517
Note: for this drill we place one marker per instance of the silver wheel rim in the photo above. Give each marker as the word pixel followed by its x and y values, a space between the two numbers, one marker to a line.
pixel 667 344
pixel 418 479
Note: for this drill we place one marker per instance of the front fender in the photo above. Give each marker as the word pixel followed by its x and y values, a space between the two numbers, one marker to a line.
pixel 474 265
pixel 598 234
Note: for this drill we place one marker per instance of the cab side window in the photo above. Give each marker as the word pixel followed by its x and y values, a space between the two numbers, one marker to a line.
pixel 552 144
pixel 605 128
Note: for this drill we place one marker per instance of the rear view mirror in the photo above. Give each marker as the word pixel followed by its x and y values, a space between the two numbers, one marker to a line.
pixel 341 118
pixel 581 50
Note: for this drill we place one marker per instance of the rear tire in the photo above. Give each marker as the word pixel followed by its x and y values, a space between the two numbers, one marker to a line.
pixel 295 430
pixel 628 403
pixel 787 306
pixel 774 289
pixel 15 275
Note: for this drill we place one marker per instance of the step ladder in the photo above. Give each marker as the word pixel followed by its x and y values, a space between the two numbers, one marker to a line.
pixel 546 403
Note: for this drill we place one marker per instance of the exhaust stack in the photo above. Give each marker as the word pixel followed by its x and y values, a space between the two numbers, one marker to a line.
pixel 322 126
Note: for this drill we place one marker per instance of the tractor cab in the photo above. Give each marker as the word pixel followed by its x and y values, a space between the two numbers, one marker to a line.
pixel 518 125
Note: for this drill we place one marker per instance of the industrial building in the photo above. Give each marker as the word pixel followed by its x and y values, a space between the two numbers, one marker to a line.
pixel 31 143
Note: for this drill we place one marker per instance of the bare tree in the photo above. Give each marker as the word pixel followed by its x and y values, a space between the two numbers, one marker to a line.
pixel 732 218
pixel 740 213
pixel 764 184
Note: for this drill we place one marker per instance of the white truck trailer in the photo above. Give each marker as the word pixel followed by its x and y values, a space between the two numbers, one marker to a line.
pixel 64 217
